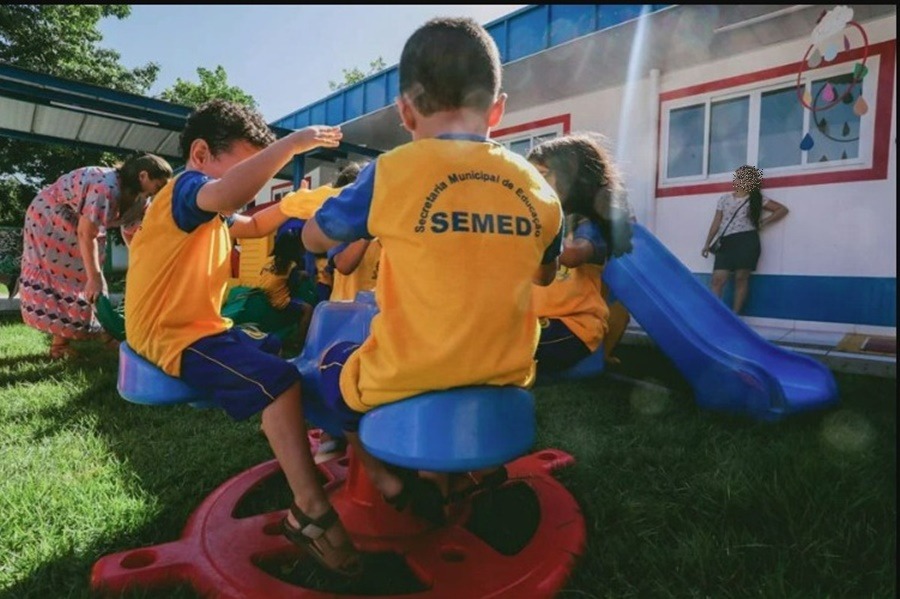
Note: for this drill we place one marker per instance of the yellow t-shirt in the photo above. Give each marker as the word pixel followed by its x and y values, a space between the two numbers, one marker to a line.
pixel 464 225
pixel 575 296
pixel 177 274
pixel 362 279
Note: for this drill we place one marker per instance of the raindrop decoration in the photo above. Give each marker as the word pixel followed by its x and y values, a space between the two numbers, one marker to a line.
pixel 848 97
pixel 823 158
pixel 807 142
pixel 822 126
pixel 830 52
pixel 846 130
pixel 807 98
pixel 844 155
pixel 860 108
pixel 846 43
pixel 859 71
pixel 828 93
pixel 815 59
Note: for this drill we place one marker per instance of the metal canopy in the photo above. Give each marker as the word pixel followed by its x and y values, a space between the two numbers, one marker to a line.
pixel 43 108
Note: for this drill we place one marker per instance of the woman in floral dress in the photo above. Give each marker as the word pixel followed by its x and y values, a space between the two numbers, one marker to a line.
pixel 65 242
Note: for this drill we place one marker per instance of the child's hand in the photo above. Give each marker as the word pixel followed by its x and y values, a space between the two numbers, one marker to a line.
pixel 317 136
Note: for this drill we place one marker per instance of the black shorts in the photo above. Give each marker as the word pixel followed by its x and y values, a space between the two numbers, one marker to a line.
pixel 740 251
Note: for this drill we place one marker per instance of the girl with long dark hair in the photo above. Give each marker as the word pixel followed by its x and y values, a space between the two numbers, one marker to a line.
pixel 573 312
pixel 735 230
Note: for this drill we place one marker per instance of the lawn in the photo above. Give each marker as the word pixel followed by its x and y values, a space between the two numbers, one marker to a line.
pixel 677 502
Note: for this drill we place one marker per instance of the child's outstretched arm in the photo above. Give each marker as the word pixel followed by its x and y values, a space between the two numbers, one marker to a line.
pixel 242 182
pixel 343 217
pixel 260 224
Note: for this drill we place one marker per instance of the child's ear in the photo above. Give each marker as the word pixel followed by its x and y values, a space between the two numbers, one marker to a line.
pixel 200 153
pixel 407 114
pixel 496 112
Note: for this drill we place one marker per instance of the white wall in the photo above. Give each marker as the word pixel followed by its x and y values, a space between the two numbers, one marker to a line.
pixel 843 229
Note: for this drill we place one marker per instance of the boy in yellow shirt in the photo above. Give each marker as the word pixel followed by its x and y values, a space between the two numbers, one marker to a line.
pixel 177 279
pixel 466 227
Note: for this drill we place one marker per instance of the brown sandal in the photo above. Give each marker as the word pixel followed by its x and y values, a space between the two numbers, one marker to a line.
pixel 310 535
pixel 62 351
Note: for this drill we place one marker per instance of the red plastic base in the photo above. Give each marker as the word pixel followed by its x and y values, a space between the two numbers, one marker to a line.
pixel 216 552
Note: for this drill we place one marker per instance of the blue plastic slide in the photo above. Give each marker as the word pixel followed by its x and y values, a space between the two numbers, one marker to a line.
pixel 730 367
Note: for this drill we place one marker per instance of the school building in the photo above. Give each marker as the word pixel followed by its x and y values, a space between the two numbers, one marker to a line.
pixel 684 94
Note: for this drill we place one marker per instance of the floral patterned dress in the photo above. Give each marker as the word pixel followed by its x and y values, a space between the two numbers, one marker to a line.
pixel 53 276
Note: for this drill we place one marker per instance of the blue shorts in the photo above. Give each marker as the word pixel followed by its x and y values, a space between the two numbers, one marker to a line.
pixel 242 374
pixel 330 371
pixel 558 348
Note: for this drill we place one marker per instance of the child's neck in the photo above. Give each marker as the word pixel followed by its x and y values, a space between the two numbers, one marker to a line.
pixel 463 121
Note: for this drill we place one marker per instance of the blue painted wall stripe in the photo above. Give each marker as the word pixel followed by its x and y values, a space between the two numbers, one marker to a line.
pixel 856 300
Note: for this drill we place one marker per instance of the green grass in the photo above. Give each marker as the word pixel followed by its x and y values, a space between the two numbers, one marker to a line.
pixel 677 502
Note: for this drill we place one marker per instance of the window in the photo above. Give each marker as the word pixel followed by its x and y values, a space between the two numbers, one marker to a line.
pixel 706 137
pixel 523 144
pixel 521 138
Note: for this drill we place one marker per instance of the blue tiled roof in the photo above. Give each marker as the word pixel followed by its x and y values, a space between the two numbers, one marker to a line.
pixel 526 31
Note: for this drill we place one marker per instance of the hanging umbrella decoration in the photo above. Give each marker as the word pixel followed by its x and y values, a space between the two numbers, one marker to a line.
pixel 829 38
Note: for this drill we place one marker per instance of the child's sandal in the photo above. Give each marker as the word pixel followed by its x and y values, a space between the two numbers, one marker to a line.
pixel 310 535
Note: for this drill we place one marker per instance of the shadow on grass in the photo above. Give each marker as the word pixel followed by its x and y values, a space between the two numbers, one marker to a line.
pixel 678 502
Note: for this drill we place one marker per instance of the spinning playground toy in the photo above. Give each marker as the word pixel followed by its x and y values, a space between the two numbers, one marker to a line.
pixel 221 554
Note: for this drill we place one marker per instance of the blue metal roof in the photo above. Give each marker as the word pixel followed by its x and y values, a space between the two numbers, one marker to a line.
pixel 519 34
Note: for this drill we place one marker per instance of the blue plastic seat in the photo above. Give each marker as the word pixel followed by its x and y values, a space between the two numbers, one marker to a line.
pixel 142 382
pixel 457 430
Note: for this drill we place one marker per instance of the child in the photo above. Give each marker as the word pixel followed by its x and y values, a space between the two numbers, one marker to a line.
pixel 277 278
pixel 302 205
pixel 573 312
pixel 355 265
pixel 176 282
pixel 355 268
pixel 465 227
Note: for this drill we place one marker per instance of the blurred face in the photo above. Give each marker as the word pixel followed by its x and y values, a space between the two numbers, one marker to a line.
pixel 203 160
pixel 746 180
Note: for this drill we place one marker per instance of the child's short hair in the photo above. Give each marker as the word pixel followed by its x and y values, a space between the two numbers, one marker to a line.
pixel 347 174
pixel 448 64
pixel 221 123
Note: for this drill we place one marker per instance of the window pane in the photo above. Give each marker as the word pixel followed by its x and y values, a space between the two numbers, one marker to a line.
pixel 835 131
pixel 542 138
pixel 521 147
pixel 780 128
pixel 527 32
pixel 613 14
pixel 728 123
pixel 685 151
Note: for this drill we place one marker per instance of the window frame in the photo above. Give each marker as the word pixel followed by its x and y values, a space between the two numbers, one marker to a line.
pixel 871 163
pixel 558 125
